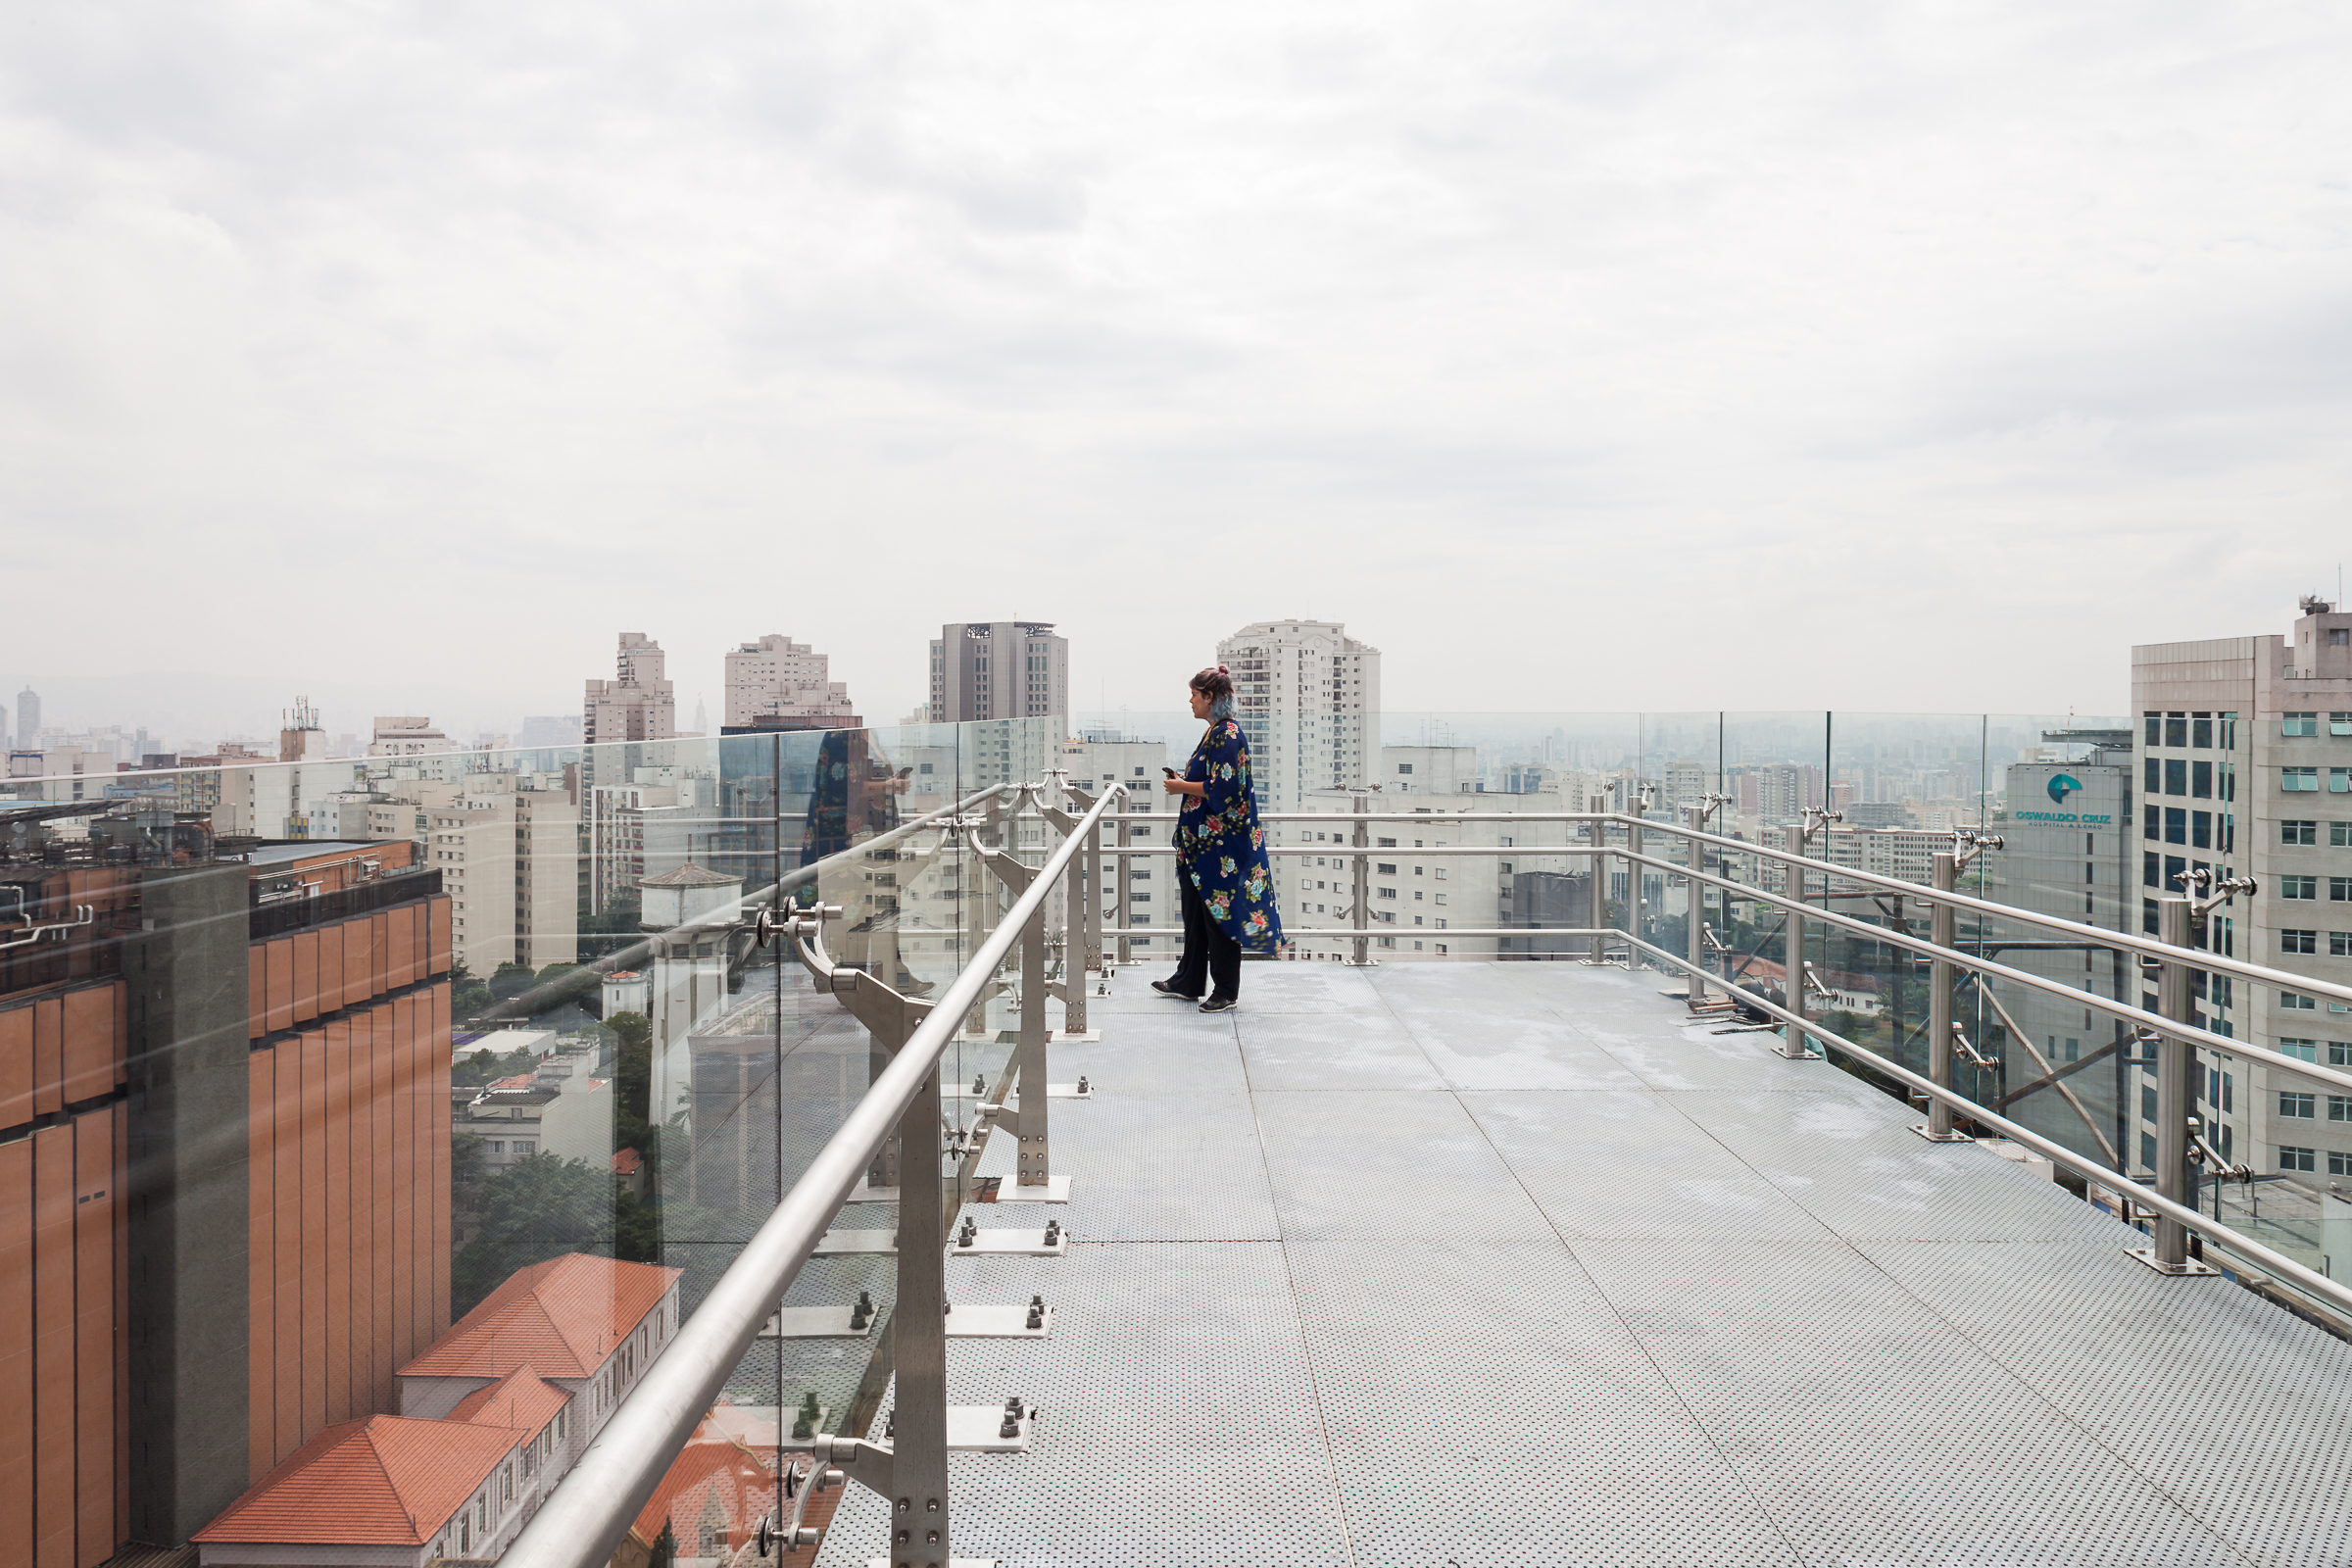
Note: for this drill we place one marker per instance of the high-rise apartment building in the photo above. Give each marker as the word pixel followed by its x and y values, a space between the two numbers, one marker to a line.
pixel 2244 754
pixel 639 702
pixel 776 683
pixel 28 721
pixel 1309 697
pixel 987 670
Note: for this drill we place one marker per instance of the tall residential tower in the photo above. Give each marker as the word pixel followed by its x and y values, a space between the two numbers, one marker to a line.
pixel 1308 697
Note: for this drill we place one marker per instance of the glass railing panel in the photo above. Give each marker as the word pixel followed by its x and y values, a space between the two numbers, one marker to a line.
pixel 411 1044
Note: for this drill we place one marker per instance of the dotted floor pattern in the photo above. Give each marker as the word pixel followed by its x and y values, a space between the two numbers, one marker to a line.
pixel 1505 1263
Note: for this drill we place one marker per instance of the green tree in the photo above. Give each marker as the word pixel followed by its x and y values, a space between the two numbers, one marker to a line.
pixel 467 996
pixel 632 1081
pixel 512 980
pixel 665 1548
pixel 534 1210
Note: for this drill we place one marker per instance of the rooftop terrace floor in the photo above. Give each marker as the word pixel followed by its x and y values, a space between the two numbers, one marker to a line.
pixel 1511 1263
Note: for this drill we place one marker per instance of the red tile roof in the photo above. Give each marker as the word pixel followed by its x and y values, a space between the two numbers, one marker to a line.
pixel 388 1481
pixel 522 1400
pixel 626 1162
pixel 563 1317
pixel 712 1469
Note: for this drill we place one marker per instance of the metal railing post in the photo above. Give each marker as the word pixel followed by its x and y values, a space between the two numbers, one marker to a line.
pixel 1938 1128
pixel 2175 1097
pixel 1600 829
pixel 1035 1161
pixel 1633 901
pixel 1795 1044
pixel 1697 904
pixel 1123 897
pixel 1363 885
pixel 918 1466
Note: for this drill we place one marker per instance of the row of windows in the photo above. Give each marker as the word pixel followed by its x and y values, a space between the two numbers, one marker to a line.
pixel 2197 730
pixel 2199 830
pixel 2339 1055
pixel 2296 1104
pixel 2173 775
pixel 2293 1158
pixel 2295 941
pixel 2306 781
pixel 2297 832
pixel 2309 723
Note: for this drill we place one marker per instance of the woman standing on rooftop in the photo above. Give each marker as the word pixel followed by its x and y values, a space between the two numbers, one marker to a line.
pixel 1221 870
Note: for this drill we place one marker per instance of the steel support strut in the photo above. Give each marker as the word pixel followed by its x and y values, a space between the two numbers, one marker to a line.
pixel 1029 1124
pixel 1632 894
pixel 1795 1044
pixel 1076 931
pixel 912 1471
pixel 1695 921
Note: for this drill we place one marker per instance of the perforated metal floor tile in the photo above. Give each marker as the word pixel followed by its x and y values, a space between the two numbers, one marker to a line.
pixel 1854 1164
pixel 1873 1431
pixel 1307 988
pixel 2240 1411
pixel 1631 1165
pixel 1148 1167
pixel 1495 1050
pixel 1380 1166
pixel 1554 1440
pixel 1177 1419
pixel 1351 1051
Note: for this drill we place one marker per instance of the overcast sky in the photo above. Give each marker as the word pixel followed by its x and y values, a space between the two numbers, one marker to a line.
pixel 1577 355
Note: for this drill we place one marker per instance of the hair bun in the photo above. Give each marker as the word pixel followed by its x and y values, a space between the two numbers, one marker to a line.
pixel 1222 670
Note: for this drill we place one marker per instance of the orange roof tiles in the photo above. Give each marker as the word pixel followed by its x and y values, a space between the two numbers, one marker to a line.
pixel 626 1162
pixel 388 1481
pixel 712 1468
pixel 563 1317
pixel 522 1400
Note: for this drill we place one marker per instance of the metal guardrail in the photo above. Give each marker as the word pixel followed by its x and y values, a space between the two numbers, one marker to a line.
pixel 584 1520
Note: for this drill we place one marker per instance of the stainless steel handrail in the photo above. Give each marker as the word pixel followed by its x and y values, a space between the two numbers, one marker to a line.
pixel 2309 1281
pixel 2120 941
pixel 731 913
pixel 582 1521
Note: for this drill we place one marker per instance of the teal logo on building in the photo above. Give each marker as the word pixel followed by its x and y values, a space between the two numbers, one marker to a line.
pixel 2061 786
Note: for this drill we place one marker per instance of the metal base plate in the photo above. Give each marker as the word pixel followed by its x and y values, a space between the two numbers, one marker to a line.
pixel 2187 1270
pixel 836 1243
pixel 1054 1190
pixel 974 1429
pixel 1023 1243
pixel 1052 1092
pixel 952 1562
pixel 1921 1128
pixel 813 1323
pixel 873 1194
pixel 977 1320
pixel 1780 1049
pixel 1067 1037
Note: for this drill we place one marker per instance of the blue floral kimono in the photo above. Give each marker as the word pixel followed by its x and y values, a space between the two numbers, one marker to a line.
pixel 1221 845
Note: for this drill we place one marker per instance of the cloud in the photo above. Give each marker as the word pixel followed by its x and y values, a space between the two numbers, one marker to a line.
pixel 1589 356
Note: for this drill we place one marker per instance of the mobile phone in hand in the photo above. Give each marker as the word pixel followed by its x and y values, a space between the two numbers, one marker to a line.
pixel 1171 772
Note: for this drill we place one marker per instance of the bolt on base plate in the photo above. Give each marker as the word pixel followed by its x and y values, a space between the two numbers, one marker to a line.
pixel 987 1320
pixel 2187 1269
pixel 1954 1137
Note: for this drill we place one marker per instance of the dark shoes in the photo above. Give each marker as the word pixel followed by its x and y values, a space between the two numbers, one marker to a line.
pixel 1168 989
pixel 1219 1003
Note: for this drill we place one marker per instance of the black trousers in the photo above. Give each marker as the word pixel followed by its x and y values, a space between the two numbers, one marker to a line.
pixel 1209 954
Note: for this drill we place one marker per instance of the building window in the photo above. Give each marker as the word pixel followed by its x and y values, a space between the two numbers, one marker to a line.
pixel 2294 1104
pixel 2200 780
pixel 2299 887
pixel 2294 1002
pixel 2291 941
pixel 2299 724
pixel 2176 776
pixel 2152 776
pixel 2175 824
pixel 2175 729
pixel 2295 780
pixel 2228 732
pixel 2293 1158
pixel 2200 731
pixel 2292 832
pixel 2200 830
pixel 2339 1108
pixel 2155 728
